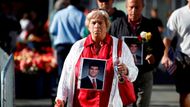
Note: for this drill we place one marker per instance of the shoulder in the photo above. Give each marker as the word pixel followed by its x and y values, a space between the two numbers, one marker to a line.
pixel 181 12
pixel 119 22
pixel 70 10
pixel 147 24
pixel 75 11
pixel 146 20
pixel 115 39
pixel 78 46
pixel 79 43
pixel 85 78
pixel 119 13
pixel 99 80
pixel 60 12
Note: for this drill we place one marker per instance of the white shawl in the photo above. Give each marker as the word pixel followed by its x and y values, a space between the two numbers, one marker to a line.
pixel 66 85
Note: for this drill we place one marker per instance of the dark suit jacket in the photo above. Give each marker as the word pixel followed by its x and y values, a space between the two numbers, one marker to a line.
pixel 86 83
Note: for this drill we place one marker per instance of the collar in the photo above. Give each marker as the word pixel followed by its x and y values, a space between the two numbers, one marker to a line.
pixel 91 79
pixel 89 41
pixel 71 7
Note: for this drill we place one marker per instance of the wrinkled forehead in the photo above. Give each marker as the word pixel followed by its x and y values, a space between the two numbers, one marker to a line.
pixel 97 17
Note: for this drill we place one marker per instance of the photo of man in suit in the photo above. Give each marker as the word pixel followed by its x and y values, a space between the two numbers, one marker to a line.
pixel 134 50
pixel 91 81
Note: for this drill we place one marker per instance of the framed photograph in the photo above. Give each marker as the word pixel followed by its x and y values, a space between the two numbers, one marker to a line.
pixel 135 47
pixel 92 74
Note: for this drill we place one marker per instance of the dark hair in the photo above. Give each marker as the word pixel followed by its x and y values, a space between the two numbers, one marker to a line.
pixel 60 4
pixel 72 2
pixel 154 9
pixel 103 0
pixel 93 64
pixel 75 2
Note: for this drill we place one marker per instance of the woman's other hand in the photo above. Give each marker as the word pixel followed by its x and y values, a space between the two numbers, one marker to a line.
pixel 59 103
pixel 122 69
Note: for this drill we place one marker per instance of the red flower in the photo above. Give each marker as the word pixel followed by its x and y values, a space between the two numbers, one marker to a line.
pixel 139 38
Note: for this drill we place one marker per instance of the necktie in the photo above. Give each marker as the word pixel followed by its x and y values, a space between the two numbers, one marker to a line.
pixel 94 83
pixel 135 58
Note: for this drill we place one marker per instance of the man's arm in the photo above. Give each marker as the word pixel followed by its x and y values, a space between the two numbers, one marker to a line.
pixel 165 59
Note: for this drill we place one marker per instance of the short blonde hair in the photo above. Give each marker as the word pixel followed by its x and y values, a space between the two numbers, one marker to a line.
pixel 95 13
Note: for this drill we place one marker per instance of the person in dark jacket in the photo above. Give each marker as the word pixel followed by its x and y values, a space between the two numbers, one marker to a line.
pixel 156 20
pixel 9 26
pixel 132 25
pixel 113 12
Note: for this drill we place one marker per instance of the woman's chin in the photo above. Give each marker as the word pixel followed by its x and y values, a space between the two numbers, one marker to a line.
pixel 97 33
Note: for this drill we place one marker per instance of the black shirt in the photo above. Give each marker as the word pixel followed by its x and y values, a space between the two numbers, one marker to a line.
pixel 121 27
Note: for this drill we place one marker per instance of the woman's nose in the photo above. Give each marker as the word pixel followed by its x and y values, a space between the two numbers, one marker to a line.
pixel 97 24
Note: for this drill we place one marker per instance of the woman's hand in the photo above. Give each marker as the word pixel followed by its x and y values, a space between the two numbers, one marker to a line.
pixel 122 69
pixel 59 103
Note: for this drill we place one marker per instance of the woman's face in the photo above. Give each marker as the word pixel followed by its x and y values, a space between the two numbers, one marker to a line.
pixel 97 28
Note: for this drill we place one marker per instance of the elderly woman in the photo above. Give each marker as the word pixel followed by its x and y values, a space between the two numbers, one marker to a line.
pixel 100 45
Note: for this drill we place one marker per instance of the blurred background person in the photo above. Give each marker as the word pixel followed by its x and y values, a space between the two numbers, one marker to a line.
pixel 113 12
pixel 156 20
pixel 9 26
pixel 178 27
pixel 26 26
pixel 66 28
pixel 59 4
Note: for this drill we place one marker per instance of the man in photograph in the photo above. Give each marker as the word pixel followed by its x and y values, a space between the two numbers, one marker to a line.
pixel 91 81
pixel 134 50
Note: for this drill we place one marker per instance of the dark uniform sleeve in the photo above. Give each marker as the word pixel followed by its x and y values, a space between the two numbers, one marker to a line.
pixel 157 44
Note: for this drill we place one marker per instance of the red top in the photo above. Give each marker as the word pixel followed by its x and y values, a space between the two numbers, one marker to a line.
pixel 95 98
